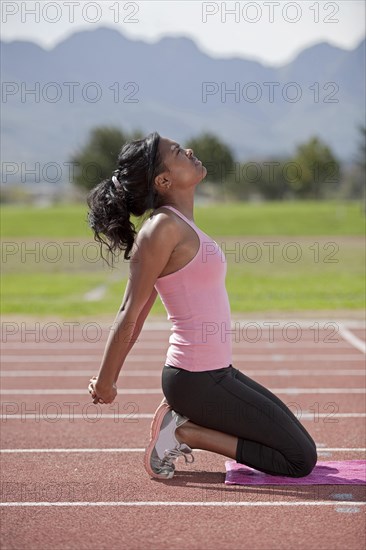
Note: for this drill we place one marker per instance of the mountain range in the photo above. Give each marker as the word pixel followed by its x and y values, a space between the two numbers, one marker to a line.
pixel 51 99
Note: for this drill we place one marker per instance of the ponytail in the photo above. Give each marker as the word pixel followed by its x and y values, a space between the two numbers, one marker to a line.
pixel 130 190
pixel 109 216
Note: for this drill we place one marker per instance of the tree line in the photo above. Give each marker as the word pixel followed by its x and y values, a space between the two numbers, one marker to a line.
pixel 312 172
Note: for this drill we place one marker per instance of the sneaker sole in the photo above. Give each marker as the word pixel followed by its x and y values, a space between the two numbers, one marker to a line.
pixel 154 434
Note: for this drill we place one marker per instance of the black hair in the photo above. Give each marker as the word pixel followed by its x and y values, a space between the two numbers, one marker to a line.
pixel 129 190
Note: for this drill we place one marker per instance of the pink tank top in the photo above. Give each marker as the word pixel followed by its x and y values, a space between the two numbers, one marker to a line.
pixel 197 303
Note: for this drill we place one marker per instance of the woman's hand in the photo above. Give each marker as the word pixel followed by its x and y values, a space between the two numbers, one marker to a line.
pixel 102 393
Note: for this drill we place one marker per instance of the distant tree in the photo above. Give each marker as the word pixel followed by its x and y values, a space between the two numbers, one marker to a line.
pixel 355 180
pixel 270 180
pixel 316 171
pixel 215 155
pixel 361 159
pixel 98 158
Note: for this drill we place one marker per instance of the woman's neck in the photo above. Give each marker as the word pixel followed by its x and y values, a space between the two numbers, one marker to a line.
pixel 185 205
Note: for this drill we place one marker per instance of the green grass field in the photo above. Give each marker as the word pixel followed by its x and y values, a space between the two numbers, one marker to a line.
pixel 281 257
pixel 239 219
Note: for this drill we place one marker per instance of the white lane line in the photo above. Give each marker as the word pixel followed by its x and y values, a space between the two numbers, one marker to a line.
pixel 152 325
pixel 95 294
pixel 274 324
pixel 182 503
pixel 154 373
pixel 274 357
pixel 158 391
pixel 352 339
pixel 142 450
pixel 132 417
pixel 140 345
pixel 110 450
pixel 155 391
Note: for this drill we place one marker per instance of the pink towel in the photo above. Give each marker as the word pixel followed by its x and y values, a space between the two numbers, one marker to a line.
pixel 339 472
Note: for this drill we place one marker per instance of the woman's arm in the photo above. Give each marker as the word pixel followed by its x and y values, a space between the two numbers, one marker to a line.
pixel 132 338
pixel 154 245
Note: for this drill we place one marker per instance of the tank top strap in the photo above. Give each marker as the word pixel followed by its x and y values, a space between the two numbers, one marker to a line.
pixel 190 222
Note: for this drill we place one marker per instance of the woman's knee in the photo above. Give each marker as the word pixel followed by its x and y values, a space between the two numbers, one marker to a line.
pixel 306 464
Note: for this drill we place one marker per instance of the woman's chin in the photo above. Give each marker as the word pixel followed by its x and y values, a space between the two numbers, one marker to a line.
pixel 203 171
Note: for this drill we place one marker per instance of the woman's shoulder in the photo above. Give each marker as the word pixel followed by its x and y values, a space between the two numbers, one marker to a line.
pixel 161 213
pixel 159 225
pixel 156 238
pixel 160 218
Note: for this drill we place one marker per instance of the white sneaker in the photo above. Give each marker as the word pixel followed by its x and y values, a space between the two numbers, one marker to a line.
pixel 164 448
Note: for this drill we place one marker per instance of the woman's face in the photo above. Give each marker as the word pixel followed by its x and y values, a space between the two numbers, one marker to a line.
pixel 183 168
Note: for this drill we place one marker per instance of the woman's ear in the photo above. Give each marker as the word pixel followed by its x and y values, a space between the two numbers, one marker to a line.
pixel 162 182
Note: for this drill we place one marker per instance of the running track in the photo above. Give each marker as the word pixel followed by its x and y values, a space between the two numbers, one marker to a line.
pixel 72 472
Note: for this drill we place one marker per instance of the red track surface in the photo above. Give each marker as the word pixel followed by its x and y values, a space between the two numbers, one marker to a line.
pixel 99 499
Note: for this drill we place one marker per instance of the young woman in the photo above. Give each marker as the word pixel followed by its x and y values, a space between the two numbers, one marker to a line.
pixel 208 403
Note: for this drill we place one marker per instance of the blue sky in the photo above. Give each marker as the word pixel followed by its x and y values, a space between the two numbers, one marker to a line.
pixel 272 32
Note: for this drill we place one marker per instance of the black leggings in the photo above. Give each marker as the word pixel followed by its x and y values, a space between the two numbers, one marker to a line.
pixel 270 437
